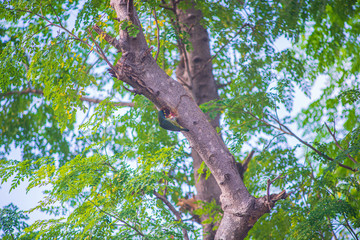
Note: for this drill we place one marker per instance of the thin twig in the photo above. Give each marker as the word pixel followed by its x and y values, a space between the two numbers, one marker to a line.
pixel 57 17
pixel 310 146
pixel 338 145
pixel 92 65
pixel 268 145
pixel 111 215
pixel 107 213
pixel 289 132
pixel 266 123
pixel 173 210
pixel 351 230
pixel 111 166
pixel 331 228
pixel 26 91
pixel 36 32
pixel 158 36
pixel 102 54
pixel 55 25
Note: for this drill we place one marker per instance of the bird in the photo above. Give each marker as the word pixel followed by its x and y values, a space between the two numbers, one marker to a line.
pixel 168 122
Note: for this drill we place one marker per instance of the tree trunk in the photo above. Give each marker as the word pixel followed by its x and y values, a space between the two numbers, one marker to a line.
pixel 139 69
pixel 195 73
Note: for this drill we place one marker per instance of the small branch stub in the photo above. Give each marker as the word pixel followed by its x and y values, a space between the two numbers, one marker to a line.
pixel 274 197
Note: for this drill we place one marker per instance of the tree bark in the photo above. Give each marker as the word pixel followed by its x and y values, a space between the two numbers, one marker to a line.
pixel 195 74
pixel 138 68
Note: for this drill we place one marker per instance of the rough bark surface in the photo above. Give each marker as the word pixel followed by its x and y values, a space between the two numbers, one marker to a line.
pixel 138 68
pixel 195 73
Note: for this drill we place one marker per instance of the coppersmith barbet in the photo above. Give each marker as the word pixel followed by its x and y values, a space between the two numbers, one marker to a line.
pixel 168 122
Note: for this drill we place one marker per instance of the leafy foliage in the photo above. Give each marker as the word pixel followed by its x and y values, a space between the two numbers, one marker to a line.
pixel 102 163
pixel 12 222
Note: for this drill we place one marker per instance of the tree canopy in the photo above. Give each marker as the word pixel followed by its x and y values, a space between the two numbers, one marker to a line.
pixel 82 83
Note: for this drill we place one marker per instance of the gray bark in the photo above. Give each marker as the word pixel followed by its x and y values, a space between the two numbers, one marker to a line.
pixel 195 73
pixel 138 68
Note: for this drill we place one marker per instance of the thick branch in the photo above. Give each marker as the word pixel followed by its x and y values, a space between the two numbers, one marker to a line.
pixel 84 99
pixel 113 41
pixel 94 100
pixel 26 91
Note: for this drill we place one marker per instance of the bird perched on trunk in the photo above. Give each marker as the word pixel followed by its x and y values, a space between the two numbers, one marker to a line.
pixel 168 121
